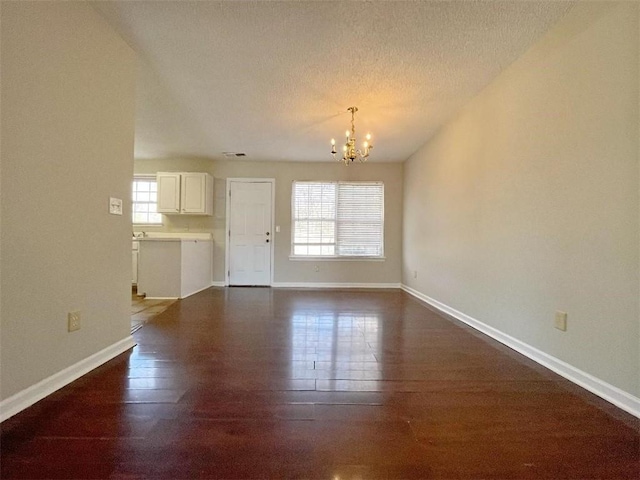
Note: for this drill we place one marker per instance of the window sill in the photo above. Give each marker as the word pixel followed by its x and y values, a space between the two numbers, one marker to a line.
pixel 336 259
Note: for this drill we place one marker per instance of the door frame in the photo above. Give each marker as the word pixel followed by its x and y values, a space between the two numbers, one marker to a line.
pixel 227 232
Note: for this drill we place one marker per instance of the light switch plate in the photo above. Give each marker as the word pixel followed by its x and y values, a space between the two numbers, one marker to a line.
pixel 115 206
pixel 561 321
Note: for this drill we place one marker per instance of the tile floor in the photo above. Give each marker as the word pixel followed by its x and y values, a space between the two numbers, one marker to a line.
pixel 143 310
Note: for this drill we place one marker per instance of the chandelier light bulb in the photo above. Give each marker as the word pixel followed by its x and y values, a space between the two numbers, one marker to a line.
pixel 333 141
pixel 347 132
pixel 368 136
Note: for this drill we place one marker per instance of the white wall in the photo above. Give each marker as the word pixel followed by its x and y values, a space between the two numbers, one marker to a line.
pixel 527 202
pixel 293 271
pixel 289 271
pixel 68 99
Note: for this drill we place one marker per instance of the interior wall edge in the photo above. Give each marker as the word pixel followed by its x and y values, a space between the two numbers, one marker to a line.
pixel 612 394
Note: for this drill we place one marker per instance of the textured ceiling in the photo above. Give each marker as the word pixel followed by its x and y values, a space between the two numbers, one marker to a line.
pixel 274 79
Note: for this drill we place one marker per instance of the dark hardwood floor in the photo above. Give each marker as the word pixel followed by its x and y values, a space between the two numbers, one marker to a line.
pixel 273 383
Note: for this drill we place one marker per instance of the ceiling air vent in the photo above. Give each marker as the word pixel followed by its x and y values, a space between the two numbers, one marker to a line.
pixel 234 154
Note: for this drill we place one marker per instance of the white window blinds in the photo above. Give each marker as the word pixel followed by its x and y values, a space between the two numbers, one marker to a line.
pixel 360 216
pixel 314 219
pixel 338 219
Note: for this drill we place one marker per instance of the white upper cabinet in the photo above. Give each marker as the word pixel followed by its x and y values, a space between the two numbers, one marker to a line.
pixel 168 192
pixel 185 193
pixel 193 193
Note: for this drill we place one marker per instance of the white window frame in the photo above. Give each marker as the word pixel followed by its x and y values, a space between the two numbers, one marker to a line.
pixel 336 256
pixel 146 178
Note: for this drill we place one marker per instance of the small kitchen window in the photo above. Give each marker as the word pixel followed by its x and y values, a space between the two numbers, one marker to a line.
pixel 144 201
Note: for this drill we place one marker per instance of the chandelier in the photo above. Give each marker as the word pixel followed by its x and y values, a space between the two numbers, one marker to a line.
pixel 350 152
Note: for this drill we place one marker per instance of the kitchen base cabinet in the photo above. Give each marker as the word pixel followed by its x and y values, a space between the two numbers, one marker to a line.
pixel 174 267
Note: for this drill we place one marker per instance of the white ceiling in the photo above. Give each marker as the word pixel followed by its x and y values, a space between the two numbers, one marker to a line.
pixel 275 79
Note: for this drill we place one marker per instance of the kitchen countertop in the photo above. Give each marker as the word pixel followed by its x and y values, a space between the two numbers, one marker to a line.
pixel 173 237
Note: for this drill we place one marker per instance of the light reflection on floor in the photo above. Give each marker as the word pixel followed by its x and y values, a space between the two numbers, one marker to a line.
pixel 342 346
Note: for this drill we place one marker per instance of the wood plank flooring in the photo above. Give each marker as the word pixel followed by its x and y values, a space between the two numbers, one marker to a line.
pixel 275 383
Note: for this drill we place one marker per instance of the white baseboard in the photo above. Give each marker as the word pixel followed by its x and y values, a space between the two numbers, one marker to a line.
pixel 610 393
pixel 196 291
pixel 333 285
pixel 27 397
pixel 202 289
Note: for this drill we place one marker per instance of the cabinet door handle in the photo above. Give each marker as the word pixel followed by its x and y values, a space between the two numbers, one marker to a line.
pixel 267 240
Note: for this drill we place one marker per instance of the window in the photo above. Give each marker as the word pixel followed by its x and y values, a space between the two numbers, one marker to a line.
pixel 337 219
pixel 145 200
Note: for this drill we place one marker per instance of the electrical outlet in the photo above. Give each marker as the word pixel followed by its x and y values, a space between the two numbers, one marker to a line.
pixel 73 321
pixel 561 321
pixel 316 268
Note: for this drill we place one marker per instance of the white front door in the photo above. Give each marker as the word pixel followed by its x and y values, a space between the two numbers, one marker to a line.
pixel 250 235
